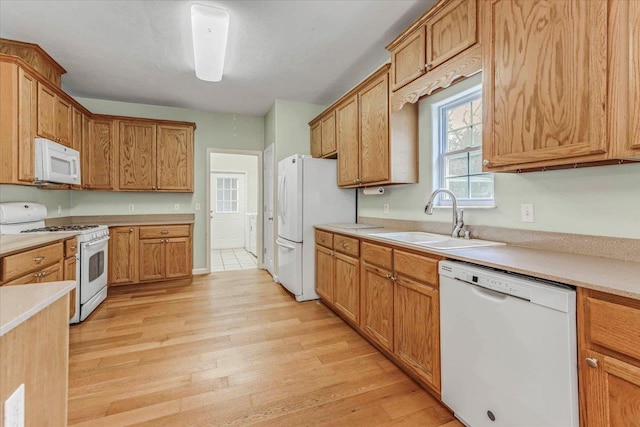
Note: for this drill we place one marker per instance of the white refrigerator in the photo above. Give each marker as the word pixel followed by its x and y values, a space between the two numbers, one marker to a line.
pixel 308 194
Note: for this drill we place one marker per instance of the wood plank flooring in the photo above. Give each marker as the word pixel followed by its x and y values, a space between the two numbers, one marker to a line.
pixel 233 349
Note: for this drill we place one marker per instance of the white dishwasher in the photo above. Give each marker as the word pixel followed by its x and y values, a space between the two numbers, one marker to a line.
pixel 508 348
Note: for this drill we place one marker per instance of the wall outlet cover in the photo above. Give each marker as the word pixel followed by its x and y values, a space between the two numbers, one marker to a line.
pixel 176 207
pixel 131 208
pixel 197 206
pixel 385 208
pixel 527 212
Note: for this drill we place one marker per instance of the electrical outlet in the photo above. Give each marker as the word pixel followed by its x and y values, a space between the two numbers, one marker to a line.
pixel 385 208
pixel 131 208
pixel 14 408
pixel 59 209
pixel 527 212
pixel 176 207
pixel 197 206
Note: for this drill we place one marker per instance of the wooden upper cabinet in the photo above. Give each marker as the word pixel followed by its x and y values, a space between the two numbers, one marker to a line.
pixel 174 158
pixel 98 160
pixel 624 80
pixel 27 122
pixel 450 30
pixel 47 104
pixel 137 156
pixel 408 59
pixel 373 100
pixel 316 140
pixel 64 122
pixel 76 139
pixel 348 142
pixel 328 125
pixel 544 83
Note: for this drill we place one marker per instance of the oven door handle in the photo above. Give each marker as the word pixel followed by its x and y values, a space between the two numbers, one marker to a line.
pixel 96 242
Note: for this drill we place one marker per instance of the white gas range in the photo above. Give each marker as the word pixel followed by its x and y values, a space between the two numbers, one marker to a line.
pixel 92 257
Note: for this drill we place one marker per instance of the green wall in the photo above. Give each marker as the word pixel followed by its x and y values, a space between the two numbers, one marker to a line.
pixel 290 127
pixel 603 200
pixel 50 198
pixel 213 130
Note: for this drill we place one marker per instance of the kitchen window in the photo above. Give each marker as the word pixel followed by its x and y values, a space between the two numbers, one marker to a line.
pixel 458 130
pixel 227 195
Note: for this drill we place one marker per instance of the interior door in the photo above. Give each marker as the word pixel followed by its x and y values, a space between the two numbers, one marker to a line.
pixel 267 218
pixel 227 210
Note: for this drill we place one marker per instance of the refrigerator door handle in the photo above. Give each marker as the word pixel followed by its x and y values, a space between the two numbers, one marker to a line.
pixel 284 245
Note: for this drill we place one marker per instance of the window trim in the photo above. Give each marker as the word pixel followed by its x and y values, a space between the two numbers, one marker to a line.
pixel 439 130
pixel 231 200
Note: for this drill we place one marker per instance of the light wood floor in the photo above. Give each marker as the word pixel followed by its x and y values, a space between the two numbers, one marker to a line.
pixel 233 349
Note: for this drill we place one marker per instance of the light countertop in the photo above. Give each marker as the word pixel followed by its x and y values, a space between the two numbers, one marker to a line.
pixel 591 272
pixel 11 243
pixel 21 302
pixel 125 220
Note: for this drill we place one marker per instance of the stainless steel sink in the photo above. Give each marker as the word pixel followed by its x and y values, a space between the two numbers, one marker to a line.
pixel 411 237
pixel 433 241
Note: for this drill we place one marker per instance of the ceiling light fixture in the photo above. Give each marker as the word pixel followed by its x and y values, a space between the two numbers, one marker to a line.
pixel 210 26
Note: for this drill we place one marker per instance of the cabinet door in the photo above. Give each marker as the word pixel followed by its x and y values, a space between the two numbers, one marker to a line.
pixel 347 286
pixel 76 140
pixel 376 305
pixel 450 31
pixel 177 257
pixel 328 125
pixel 137 156
pixel 374 131
pixel 152 255
pixel 347 142
pixel 98 158
pixel 70 274
pixel 324 273
pixel 417 329
pixel 53 273
pixel 123 255
pixel 64 122
pixel 612 392
pixel 47 103
pixel 27 124
pixel 407 59
pixel 634 76
pixel 544 81
pixel 174 157
pixel 316 140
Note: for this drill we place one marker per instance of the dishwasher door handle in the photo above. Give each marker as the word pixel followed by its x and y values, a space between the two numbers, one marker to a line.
pixel 488 293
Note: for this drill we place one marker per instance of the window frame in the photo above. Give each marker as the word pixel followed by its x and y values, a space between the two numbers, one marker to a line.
pixel 230 192
pixel 439 122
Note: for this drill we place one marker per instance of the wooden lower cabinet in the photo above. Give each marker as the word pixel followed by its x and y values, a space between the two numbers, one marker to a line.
pixel 376 303
pixel 324 273
pixel 70 274
pixel 347 286
pixel 609 359
pixel 138 253
pixel 123 255
pixel 417 329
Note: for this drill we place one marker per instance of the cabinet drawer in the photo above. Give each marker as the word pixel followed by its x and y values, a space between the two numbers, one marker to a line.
pixel 378 255
pixel 614 326
pixel 70 247
pixel 23 280
pixel 418 267
pixel 35 259
pixel 324 238
pixel 155 232
pixel 346 245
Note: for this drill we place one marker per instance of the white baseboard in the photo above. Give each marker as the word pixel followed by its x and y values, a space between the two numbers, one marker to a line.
pixel 200 271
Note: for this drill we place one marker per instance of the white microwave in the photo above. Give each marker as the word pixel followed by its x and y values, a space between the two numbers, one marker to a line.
pixel 56 163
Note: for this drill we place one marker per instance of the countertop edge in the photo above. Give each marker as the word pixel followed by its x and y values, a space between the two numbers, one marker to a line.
pixel 56 290
pixel 31 240
pixel 472 257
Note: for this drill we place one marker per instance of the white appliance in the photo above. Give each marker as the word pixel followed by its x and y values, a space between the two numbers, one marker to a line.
pixel 307 195
pixel 56 163
pixel 91 259
pixel 508 348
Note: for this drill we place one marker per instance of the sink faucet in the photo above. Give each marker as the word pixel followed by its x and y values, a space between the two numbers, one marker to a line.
pixel 457 224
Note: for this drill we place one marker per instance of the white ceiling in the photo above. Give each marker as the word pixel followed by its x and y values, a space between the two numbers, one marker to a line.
pixel 141 51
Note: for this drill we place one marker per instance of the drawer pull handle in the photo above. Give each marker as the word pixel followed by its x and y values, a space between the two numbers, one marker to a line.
pixel 164 232
pixel 592 362
pixel 38 260
pixel 344 245
pixel 322 239
pixel 73 248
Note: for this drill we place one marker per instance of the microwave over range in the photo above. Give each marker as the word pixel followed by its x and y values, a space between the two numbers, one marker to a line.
pixel 56 163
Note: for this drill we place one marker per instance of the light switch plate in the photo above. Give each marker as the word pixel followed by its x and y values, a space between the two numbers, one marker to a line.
pixel 197 206
pixel 385 208
pixel 14 408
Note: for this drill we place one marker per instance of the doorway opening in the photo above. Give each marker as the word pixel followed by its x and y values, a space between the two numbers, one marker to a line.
pixel 234 207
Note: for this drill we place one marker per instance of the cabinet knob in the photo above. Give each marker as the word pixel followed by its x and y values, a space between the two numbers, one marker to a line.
pixel 592 362
pixel 73 248
pixel 131 230
pixel 419 70
pixel 485 162
pixel 164 232
pixel 322 239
